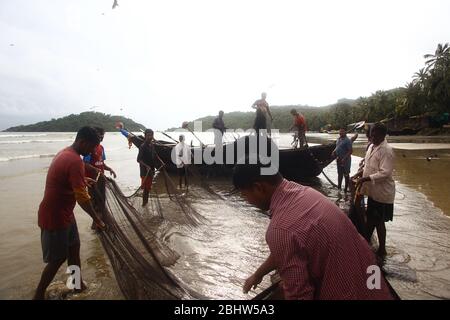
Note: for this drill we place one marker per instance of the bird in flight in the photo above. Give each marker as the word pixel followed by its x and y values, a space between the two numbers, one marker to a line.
pixel 115 4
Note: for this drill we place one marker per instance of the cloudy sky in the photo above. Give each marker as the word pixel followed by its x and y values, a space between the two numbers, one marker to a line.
pixel 163 62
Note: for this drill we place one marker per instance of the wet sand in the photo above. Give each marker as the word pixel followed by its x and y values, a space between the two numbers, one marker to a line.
pixel 217 257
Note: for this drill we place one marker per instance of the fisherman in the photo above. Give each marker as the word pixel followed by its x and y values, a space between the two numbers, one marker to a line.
pixel 343 153
pixel 300 124
pixel 314 247
pixel 219 127
pixel 95 168
pixel 147 159
pixel 377 183
pixel 65 185
pixel 263 119
pixel 183 159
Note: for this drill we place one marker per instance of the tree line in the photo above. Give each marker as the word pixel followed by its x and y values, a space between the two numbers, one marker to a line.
pixel 74 122
pixel 427 94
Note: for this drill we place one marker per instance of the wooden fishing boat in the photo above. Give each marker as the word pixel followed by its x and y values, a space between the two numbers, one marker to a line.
pixel 294 164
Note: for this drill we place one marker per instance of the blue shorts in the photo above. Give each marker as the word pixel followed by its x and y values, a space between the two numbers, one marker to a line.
pixel 56 243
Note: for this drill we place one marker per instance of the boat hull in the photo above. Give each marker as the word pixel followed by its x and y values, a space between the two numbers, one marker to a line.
pixel 294 164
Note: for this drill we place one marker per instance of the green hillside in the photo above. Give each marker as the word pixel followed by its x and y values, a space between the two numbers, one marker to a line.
pixel 74 122
pixel 427 94
pixel 282 118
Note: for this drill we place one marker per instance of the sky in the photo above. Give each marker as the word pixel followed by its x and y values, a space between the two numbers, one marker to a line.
pixel 165 62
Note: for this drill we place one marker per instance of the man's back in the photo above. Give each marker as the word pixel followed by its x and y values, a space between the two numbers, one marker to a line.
pixel 65 174
pixel 219 124
pixel 300 122
pixel 317 248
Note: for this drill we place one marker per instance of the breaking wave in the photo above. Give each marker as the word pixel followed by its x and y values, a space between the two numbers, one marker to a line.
pixel 30 156
pixel 35 141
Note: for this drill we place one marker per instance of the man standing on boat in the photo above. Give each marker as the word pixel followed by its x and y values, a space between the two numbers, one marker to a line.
pixel 377 183
pixel 343 154
pixel 313 245
pixel 64 187
pixel 147 159
pixel 263 118
pixel 300 125
pixel 219 129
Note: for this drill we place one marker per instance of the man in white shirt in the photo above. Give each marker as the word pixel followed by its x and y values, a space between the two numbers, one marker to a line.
pixel 377 183
pixel 183 159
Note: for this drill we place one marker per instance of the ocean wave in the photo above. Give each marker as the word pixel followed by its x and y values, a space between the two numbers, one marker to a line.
pixel 35 141
pixel 29 156
pixel 23 135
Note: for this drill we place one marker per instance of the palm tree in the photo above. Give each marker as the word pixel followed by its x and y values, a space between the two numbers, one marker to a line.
pixel 420 77
pixel 442 52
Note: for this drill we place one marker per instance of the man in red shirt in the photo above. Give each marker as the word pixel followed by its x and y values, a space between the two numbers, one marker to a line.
pixel 65 186
pixel 300 125
pixel 313 245
pixel 95 169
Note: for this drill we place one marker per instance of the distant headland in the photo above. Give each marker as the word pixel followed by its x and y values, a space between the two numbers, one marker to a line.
pixel 73 122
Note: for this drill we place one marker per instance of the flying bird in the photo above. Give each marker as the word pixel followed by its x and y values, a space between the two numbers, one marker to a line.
pixel 115 4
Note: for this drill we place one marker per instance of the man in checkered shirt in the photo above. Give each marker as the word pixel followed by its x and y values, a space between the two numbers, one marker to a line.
pixel 313 245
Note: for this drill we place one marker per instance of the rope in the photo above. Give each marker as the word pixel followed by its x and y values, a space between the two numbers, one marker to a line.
pixel 329 180
pixel 169 136
pixel 318 163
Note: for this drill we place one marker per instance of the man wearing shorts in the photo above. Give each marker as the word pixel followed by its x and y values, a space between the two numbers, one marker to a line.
pixel 343 154
pixel 65 186
pixel 147 158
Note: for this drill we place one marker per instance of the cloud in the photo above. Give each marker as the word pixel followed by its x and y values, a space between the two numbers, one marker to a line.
pixel 166 62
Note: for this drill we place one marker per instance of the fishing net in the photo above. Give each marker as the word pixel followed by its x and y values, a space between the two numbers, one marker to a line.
pixel 132 240
pixel 138 257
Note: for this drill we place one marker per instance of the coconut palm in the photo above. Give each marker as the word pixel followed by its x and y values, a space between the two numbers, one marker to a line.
pixel 441 54
pixel 420 77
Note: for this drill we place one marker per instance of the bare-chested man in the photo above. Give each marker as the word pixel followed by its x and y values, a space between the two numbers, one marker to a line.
pixel 263 118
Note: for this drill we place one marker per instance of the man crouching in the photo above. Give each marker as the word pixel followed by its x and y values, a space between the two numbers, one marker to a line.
pixel 313 245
